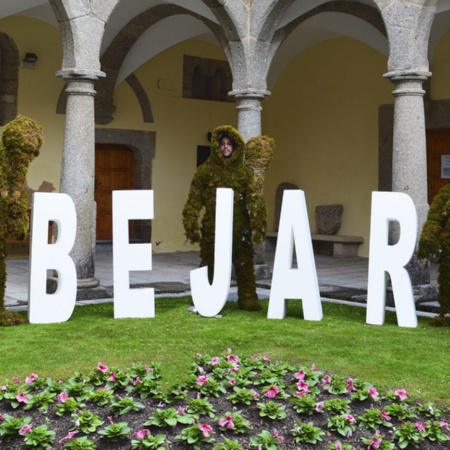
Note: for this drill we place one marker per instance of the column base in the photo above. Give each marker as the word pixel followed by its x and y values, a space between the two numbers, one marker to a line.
pixel 87 288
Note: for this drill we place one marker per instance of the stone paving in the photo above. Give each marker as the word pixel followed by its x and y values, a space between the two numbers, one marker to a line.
pixel 339 278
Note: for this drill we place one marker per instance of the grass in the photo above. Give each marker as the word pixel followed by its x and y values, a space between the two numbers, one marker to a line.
pixel 387 356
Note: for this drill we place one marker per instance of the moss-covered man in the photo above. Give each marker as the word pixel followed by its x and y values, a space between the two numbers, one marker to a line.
pixel 226 168
pixel 21 140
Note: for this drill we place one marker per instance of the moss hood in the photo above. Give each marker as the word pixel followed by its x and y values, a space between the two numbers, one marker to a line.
pixel 237 157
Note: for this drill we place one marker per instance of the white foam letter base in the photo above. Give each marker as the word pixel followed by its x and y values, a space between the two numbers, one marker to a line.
pixel 387 207
pixel 57 307
pixel 210 299
pixel 131 303
pixel 289 283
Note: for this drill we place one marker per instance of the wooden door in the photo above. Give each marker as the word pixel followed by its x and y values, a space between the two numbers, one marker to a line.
pixel 438 161
pixel 114 170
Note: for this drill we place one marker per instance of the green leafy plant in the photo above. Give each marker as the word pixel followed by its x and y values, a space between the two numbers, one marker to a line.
pixel 343 424
pixel 168 417
pixel 115 431
pixel 80 443
pixel 199 407
pixel 125 405
pixel 400 411
pixel 196 434
pixel 378 442
pixel 243 395
pixel 102 396
pixel 86 421
pixel 374 418
pixel 337 405
pixel 11 425
pixel 228 444
pixel 408 434
pixel 265 441
pixel 40 438
pixel 272 410
pixel 211 387
pixel 427 409
pixel 434 431
pixel 304 405
pixel 339 446
pixel 233 421
pixel 148 441
pixel 148 386
pixel 307 433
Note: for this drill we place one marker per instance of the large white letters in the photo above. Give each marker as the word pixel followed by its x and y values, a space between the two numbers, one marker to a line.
pixel 129 205
pixel 387 207
pixel 57 307
pixel 210 299
pixel 300 283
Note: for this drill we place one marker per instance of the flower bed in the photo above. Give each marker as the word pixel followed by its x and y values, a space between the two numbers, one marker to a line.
pixel 229 403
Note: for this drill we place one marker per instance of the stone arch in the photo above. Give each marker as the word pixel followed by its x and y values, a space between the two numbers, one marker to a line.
pixel 9 78
pixel 113 57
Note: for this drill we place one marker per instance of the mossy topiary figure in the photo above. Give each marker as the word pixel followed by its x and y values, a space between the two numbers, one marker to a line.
pixel 21 140
pixel 249 223
pixel 435 240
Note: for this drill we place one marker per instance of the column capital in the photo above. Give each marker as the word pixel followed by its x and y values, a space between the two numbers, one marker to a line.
pixel 250 93
pixel 80 74
pixel 408 82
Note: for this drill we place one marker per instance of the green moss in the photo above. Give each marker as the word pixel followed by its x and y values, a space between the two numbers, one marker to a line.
pixel 435 241
pixel 21 140
pixel 250 217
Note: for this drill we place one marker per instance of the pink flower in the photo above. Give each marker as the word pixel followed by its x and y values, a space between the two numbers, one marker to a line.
pixel 227 422
pixel 272 392
pixel 350 387
pixel 401 394
pixel 419 426
pixel 384 416
pixel 137 381
pixel 302 386
pixel 31 378
pixel 102 367
pixel 235 367
pixel 1 417
pixel 338 446
pixel 215 361
pixel 112 377
pixel 69 436
pixel 373 392
pixel 200 370
pixel 300 375
pixel 21 398
pixel 266 359
pixel 350 418
pixel 232 381
pixel 326 380
pixel 254 394
pixel 374 443
pixel 233 358
pixel 202 379
pixel 444 425
pixel 147 368
pixel 302 393
pixel 62 397
pixel 229 350
pixel 16 380
pixel 4 387
pixel 431 410
pixel 181 410
pixel 142 434
pixel 205 429
pixel 25 429
pixel 277 436
pixel 319 406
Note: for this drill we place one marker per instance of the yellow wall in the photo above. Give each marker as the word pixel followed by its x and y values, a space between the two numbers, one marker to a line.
pixel 440 68
pixel 39 90
pixel 323 114
pixel 181 125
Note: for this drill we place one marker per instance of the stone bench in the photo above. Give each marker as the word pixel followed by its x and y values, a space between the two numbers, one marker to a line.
pixel 329 244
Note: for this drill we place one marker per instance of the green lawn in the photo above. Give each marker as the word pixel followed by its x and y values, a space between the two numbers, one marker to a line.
pixel 388 356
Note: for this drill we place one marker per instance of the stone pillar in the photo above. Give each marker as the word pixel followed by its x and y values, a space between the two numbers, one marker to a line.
pixel 409 158
pixel 249 111
pixel 78 167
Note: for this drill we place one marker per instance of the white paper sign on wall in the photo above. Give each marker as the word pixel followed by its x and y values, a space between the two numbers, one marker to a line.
pixel 287 282
pixel 59 306
pixel 131 303
pixel 392 259
pixel 209 299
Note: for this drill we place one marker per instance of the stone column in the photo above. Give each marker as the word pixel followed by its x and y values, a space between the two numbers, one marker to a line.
pixel 78 167
pixel 249 111
pixel 409 158
pixel 249 125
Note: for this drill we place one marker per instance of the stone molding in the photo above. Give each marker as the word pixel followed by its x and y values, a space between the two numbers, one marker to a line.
pixel 9 79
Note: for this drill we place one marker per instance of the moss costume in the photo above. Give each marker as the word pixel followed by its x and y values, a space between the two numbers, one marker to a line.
pixel 435 240
pixel 21 140
pixel 249 223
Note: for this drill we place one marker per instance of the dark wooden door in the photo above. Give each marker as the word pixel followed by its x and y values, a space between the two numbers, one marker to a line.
pixel 438 161
pixel 114 170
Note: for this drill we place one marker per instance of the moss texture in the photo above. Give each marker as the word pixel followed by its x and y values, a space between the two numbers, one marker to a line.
pixel 21 140
pixel 249 223
pixel 435 241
